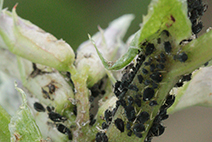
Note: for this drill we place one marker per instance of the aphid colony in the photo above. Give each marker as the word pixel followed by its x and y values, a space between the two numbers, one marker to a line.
pixel 56 118
pixel 146 75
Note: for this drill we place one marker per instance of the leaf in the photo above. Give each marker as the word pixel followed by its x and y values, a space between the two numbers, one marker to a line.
pixel 162 15
pixel 4 129
pixel 22 125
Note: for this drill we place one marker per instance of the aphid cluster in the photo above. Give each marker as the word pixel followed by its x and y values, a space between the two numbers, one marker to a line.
pixel 196 9
pixel 56 118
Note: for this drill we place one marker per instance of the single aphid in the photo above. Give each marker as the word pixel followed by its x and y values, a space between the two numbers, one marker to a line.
pixel 130 113
pixel 144 71
pixel 108 116
pixel 166 32
pixel 153 103
pixel 119 123
pixel 45 94
pixel 130 100
pixel 138 127
pixel 167 47
pixel 128 126
pixel 160 66
pixel 129 133
pixel 75 110
pixel 138 134
pixel 101 137
pixel 39 107
pixel 63 129
pixel 182 57
pixel 138 102
pixel 56 117
pixel 149 49
pixel 104 125
pixel 197 28
pixel 147 82
pixel 157 129
pixel 156 76
pixel 148 94
pixel 152 67
pixel 121 102
pixel 143 117
pixel 92 120
pixel 133 87
pixel 52 88
pixel 140 78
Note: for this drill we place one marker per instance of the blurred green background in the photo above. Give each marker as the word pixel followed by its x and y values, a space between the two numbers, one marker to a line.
pixel 72 20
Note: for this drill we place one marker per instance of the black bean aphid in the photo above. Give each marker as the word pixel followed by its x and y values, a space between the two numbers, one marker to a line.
pixel 45 94
pixel 149 49
pixel 140 78
pixel 152 67
pixel 121 102
pixel 108 116
pixel 133 87
pixel 182 57
pixel 153 103
pixel 138 102
pixel 129 133
pixel 167 47
pixel 138 134
pixel 39 107
pixel 166 32
pixel 130 113
pixel 130 100
pixel 101 137
pixel 128 126
pixel 50 109
pixel 187 77
pixel 119 123
pixel 148 94
pixel 144 71
pixel 159 40
pixel 92 120
pixel 104 125
pixel 52 88
pixel 143 117
pixel 197 28
pixel 75 110
pixel 156 76
pixel 157 129
pixel 147 82
pixel 160 66
pixel 56 117
pixel 138 127
pixel 63 129
pixel 170 100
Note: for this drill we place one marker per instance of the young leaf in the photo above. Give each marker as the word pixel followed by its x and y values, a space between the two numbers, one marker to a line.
pixel 22 125
pixel 4 121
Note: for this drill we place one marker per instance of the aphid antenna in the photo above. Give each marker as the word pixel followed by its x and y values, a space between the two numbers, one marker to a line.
pixel 101 130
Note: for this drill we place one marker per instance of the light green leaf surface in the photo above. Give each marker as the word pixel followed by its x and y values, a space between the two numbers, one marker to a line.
pixel 22 125
pixel 4 122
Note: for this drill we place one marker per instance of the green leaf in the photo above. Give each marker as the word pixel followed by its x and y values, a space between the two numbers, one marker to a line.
pixel 162 15
pixel 4 129
pixel 22 126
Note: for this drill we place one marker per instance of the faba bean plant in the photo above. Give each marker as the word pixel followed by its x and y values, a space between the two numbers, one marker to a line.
pixel 108 90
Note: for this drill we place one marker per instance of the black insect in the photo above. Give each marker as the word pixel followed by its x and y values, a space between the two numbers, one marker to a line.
pixel 182 57
pixel 129 133
pixel 45 94
pixel 68 74
pixel 140 78
pixel 143 117
pixel 130 113
pixel 167 47
pixel 159 40
pixel 138 102
pixel 144 71
pixel 121 102
pixel 160 66
pixel 197 28
pixel 63 129
pixel 119 123
pixel 138 127
pixel 138 134
pixel 56 117
pixel 130 100
pixel 153 103
pixel 52 88
pixel 39 107
pixel 162 55
pixel 206 63
pixel 147 82
pixel 128 126
pixel 104 125
pixel 166 32
pixel 108 116
pixel 92 120
pixel 133 87
pixel 156 76
pixel 169 100
pixel 141 58
pixel 186 77
pixel 148 94
pixel 149 49
pixel 50 108
pixel 75 110
pixel 101 137
pixel 157 129
pixel 154 85
pixel 152 67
